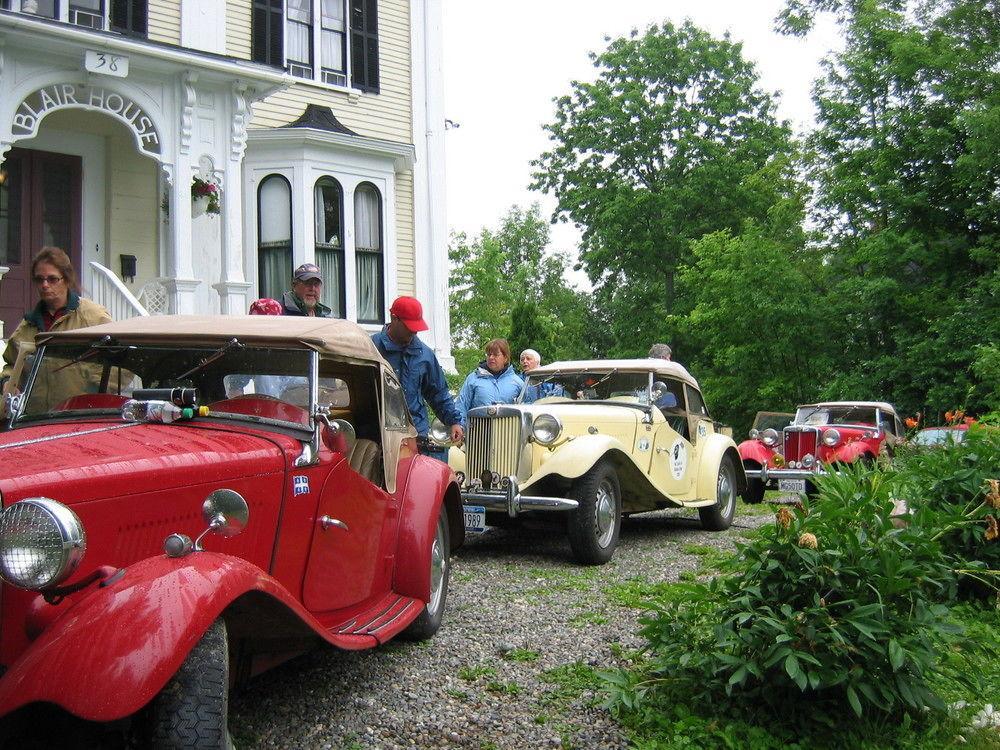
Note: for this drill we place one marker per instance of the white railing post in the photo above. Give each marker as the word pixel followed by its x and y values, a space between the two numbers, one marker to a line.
pixel 108 290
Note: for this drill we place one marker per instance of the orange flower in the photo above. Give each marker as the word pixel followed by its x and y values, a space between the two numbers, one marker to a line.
pixel 992 531
pixel 784 517
pixel 993 493
pixel 808 541
pixel 910 423
pixel 948 416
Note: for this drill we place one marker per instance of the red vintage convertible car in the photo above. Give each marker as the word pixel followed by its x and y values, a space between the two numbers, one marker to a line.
pixel 819 438
pixel 136 455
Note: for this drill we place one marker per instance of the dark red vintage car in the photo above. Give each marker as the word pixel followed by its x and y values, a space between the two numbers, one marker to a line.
pixel 188 501
pixel 818 439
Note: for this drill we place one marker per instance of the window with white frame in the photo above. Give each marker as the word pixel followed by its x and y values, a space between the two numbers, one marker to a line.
pixel 328 41
pixel 329 217
pixel 368 253
pixel 125 16
pixel 274 236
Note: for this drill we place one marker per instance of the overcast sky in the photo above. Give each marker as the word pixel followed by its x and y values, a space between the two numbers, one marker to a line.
pixel 505 61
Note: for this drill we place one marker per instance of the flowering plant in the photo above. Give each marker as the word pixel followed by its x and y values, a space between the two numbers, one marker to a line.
pixel 206 189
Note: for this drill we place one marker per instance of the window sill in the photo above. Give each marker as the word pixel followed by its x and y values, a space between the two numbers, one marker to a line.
pixel 353 95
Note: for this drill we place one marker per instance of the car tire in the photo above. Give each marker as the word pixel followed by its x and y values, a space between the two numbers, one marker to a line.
pixel 719 515
pixel 191 711
pixel 754 493
pixel 596 523
pixel 429 620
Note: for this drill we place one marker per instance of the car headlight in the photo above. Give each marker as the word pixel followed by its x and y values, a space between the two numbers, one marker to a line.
pixel 770 437
pixel 831 437
pixel 439 433
pixel 545 429
pixel 41 543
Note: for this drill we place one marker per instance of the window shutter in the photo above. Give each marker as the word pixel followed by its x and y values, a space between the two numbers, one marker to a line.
pixel 266 33
pixel 129 16
pixel 364 45
pixel 139 17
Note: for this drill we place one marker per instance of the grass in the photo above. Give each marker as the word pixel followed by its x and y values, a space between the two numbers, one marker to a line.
pixel 522 655
pixel 471 674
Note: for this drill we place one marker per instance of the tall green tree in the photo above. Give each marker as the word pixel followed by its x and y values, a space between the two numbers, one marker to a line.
pixel 672 141
pixel 907 178
pixel 506 282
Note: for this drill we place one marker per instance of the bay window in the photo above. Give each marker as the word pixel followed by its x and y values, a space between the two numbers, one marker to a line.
pixel 368 253
pixel 274 236
pixel 329 216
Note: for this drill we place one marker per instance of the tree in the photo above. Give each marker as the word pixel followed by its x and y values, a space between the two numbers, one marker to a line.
pixel 506 283
pixel 672 141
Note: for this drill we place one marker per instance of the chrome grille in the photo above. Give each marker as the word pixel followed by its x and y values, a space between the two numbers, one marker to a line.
pixel 492 444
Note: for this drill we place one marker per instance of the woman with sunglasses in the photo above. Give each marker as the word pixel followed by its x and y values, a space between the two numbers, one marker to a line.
pixel 60 306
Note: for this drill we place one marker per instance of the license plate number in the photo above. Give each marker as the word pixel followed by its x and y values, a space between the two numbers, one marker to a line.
pixel 792 485
pixel 475 517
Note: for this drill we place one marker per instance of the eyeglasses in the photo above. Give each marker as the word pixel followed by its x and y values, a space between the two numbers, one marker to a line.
pixel 310 282
pixel 47 279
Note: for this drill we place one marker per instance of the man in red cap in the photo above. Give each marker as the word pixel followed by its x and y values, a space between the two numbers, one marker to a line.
pixel 419 372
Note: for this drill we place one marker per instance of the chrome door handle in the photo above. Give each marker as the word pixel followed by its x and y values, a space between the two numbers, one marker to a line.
pixel 326 522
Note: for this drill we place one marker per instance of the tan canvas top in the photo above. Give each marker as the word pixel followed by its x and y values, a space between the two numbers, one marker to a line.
pixel 327 335
pixel 864 404
pixel 664 367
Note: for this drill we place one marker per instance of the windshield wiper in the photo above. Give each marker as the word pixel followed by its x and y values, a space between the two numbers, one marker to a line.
pixel 223 351
pixel 87 353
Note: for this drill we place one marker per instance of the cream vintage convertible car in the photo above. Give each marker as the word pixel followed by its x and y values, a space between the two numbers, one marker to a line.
pixel 596 440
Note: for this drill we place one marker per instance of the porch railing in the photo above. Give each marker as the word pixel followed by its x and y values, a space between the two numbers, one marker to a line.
pixel 108 290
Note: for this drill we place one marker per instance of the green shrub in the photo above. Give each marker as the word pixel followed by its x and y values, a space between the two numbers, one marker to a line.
pixel 834 604
pixel 946 488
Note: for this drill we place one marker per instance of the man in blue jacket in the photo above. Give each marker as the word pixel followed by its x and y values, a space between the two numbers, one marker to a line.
pixel 419 372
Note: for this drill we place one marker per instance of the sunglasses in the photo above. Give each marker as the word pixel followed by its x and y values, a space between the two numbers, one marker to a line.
pixel 50 279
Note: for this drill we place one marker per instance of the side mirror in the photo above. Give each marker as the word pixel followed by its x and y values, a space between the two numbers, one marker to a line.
pixel 225 512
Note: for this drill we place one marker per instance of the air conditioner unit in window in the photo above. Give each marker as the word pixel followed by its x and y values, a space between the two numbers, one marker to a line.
pixel 334 79
pixel 86 18
pixel 300 71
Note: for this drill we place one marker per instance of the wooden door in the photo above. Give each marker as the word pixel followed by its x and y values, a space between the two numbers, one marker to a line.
pixel 40 205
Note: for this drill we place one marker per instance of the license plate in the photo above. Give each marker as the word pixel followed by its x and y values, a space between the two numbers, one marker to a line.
pixel 792 485
pixel 475 517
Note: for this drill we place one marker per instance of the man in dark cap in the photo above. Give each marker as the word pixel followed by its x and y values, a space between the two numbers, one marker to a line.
pixel 419 372
pixel 303 297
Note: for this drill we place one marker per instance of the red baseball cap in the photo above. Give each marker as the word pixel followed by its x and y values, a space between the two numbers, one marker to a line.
pixel 409 310
pixel 265 306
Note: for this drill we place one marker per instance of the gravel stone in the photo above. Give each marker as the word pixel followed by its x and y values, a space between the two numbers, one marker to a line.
pixel 471 687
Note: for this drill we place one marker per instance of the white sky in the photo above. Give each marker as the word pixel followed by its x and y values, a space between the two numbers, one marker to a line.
pixel 505 61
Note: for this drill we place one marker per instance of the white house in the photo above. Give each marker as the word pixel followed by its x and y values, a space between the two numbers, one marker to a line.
pixel 316 123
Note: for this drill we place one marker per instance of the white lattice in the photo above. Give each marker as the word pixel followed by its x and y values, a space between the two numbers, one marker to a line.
pixel 153 296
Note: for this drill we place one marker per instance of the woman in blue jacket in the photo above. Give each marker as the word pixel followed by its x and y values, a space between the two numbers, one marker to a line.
pixel 493 382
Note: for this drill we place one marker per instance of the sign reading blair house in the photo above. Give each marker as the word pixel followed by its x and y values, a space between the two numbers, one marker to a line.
pixel 96 98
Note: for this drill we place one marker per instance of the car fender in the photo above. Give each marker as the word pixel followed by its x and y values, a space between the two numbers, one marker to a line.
pixel 849 452
pixel 576 457
pixel 754 450
pixel 430 484
pixel 714 448
pixel 114 649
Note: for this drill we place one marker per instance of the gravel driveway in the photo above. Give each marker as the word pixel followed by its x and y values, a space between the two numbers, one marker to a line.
pixel 524 628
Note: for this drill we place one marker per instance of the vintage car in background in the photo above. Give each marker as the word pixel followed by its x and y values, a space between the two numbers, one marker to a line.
pixel 606 438
pixel 188 501
pixel 819 438
pixel 930 437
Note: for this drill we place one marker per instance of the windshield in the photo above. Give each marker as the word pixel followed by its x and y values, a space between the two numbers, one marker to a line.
pixel 592 385
pixel 826 415
pixel 99 377
pixel 772 420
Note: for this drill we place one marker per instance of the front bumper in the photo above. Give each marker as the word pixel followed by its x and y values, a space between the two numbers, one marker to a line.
pixel 766 475
pixel 507 497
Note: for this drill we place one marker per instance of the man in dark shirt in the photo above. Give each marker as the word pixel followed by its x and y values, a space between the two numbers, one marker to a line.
pixel 418 370
pixel 303 298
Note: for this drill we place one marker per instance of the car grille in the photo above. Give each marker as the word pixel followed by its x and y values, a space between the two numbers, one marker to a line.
pixel 800 442
pixel 492 444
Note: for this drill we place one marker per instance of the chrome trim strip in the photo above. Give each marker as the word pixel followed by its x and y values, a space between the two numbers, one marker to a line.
pixel 392 619
pixel 48 438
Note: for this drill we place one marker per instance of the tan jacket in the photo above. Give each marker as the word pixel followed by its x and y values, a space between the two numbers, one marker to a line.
pixel 81 313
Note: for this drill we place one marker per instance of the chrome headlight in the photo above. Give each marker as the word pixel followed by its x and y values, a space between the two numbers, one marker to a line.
pixel 770 437
pixel 41 543
pixel 439 433
pixel 546 429
pixel 831 437
pixel 808 460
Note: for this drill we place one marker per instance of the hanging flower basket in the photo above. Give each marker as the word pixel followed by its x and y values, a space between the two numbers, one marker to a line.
pixel 207 191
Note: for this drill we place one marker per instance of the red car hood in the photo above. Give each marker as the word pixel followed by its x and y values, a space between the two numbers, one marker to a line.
pixel 84 461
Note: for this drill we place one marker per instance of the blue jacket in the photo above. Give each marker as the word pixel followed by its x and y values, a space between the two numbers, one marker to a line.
pixel 422 378
pixel 482 387
pixel 541 390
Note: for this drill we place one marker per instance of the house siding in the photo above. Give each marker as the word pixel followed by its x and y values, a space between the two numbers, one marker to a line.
pixel 164 21
pixel 238 28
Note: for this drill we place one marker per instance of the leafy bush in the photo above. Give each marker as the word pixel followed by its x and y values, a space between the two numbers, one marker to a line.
pixel 947 488
pixel 834 603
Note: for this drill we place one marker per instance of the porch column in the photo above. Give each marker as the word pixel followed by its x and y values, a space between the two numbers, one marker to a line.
pixel 233 288
pixel 180 281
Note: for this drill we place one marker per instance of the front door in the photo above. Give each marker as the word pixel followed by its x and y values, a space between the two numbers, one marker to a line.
pixel 40 206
